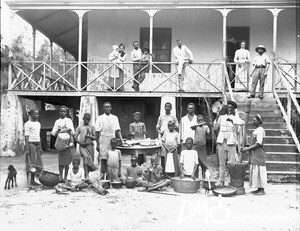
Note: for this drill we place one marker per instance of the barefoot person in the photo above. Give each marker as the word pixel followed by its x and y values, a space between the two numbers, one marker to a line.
pixel 182 55
pixel 64 127
pixel 257 157
pixel 33 148
pixel 107 125
pixel 84 136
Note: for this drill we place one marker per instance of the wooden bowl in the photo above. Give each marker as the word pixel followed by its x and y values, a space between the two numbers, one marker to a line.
pixel 48 179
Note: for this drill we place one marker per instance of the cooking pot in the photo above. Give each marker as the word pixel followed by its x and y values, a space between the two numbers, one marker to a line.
pixel 105 184
pixel 130 182
pixel 117 184
pixel 48 179
pixel 185 185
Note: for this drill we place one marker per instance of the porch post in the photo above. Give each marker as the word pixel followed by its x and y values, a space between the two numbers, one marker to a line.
pixel 297 46
pixel 51 57
pixel 151 14
pixel 275 13
pixel 80 14
pixel 224 13
pixel 65 59
pixel 33 45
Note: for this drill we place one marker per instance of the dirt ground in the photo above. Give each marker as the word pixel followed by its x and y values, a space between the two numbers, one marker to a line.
pixel 127 209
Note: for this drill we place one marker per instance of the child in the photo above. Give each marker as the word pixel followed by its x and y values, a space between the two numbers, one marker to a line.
pixel 33 146
pixel 137 130
pixel 257 158
pixel 84 136
pixel 201 130
pixel 114 161
pixel 188 160
pixel 75 178
pixel 154 177
pixel 134 170
pixel 170 142
pixel 64 125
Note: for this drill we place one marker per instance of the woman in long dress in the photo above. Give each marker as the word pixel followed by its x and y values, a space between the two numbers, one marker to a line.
pixel 257 158
pixel 242 60
pixel 116 76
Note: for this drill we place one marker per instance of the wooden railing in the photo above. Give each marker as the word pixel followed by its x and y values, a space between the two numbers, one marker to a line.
pixel 239 77
pixel 106 76
pixel 288 104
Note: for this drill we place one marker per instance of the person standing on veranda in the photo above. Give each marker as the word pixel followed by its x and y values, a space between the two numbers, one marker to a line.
pixel 242 60
pixel 136 55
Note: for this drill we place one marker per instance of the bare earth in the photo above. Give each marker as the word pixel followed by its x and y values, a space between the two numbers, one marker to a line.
pixel 128 209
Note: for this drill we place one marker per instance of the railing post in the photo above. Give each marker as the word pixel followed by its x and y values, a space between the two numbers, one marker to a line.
pixel 151 14
pixel 33 45
pixel 289 108
pixel 51 58
pixel 44 78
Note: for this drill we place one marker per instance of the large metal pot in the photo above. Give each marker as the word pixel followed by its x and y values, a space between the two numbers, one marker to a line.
pixel 117 184
pixel 130 182
pixel 48 179
pixel 185 185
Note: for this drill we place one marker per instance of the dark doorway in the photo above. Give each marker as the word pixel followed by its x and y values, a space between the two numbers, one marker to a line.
pixel 235 34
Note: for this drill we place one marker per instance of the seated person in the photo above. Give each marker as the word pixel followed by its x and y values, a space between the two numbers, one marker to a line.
pixel 188 160
pixel 153 177
pixel 75 178
pixel 134 170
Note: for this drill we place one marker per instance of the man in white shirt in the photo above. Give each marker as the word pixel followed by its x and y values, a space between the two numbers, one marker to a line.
pixel 136 55
pixel 182 55
pixel 107 125
pixel 261 66
pixel 227 137
pixel 187 122
pixel 163 120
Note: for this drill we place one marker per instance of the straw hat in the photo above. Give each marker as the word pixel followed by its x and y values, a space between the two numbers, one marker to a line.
pixel 260 47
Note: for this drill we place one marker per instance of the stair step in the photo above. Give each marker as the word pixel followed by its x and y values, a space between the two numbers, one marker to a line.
pixel 279 140
pixel 284 172
pixel 280 148
pixel 276 125
pixel 279 166
pixel 265 113
pixel 273 132
pixel 283 156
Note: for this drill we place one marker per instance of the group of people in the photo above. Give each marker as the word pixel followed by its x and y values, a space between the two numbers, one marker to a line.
pixel 183 147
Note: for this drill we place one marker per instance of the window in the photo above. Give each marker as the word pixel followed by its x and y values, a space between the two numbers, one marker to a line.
pixel 161 46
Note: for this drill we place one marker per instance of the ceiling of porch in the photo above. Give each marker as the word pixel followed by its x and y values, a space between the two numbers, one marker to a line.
pixel 60 26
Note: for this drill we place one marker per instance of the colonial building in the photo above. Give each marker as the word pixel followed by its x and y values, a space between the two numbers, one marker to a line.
pixel 211 29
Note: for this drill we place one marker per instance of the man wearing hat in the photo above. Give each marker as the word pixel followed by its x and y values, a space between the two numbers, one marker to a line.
pixel 227 137
pixel 261 66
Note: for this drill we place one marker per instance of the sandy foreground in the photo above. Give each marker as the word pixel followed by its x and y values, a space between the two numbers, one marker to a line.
pixel 128 209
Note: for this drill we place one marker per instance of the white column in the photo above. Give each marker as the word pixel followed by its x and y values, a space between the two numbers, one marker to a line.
pixel 33 45
pixel 80 14
pixel 151 14
pixel 275 13
pixel 51 57
pixel 224 13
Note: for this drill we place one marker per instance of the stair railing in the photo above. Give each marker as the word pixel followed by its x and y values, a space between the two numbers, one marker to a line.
pixel 291 103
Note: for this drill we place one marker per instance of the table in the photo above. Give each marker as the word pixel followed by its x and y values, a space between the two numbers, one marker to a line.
pixel 140 149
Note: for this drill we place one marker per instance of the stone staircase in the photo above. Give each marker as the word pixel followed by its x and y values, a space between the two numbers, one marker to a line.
pixel 283 158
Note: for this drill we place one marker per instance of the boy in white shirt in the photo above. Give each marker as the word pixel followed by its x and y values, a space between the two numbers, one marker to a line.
pixel 188 160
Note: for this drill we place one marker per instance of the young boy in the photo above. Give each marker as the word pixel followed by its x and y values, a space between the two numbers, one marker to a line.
pixel 153 176
pixel 169 157
pixel 162 123
pixel 114 161
pixel 33 148
pixel 85 135
pixel 188 160
pixel 201 130
pixel 137 130
pixel 134 170
pixel 75 178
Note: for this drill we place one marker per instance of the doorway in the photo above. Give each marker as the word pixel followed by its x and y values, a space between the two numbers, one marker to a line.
pixel 235 34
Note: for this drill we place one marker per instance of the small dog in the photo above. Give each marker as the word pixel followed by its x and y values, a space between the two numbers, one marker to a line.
pixel 11 177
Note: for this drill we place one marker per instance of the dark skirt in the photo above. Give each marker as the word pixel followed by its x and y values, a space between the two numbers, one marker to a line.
pixel 33 158
pixel 65 157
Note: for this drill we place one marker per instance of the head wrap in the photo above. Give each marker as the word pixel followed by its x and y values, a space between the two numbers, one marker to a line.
pixel 232 103
pixel 258 118
pixel 137 113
